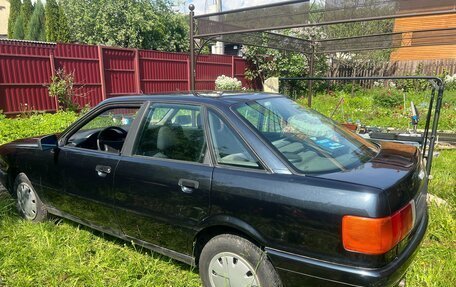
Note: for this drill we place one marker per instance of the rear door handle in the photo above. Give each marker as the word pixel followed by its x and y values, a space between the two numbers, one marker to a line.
pixel 188 185
pixel 102 170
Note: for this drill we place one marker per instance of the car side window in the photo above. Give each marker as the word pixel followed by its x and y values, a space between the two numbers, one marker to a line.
pixel 177 134
pixel 107 131
pixel 229 150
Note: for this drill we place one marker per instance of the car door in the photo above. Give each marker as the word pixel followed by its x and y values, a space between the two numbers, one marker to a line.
pixel 163 187
pixel 87 160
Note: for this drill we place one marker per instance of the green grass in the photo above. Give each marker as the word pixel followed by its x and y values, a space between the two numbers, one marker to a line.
pixel 361 107
pixel 61 253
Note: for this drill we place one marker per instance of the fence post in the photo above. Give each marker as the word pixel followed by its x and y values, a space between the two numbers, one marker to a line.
pixel 102 73
pixel 137 72
pixel 52 62
pixel 232 66
pixel 189 74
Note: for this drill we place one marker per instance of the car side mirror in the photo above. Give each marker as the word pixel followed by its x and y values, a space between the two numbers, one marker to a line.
pixel 48 142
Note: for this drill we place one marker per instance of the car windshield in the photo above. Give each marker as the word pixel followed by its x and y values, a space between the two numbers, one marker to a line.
pixel 311 142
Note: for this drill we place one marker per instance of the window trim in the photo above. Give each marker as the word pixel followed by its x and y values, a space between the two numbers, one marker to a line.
pixel 140 127
pixel 66 135
pixel 261 168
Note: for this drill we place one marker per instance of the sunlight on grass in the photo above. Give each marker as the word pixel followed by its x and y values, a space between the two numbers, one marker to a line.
pixel 61 253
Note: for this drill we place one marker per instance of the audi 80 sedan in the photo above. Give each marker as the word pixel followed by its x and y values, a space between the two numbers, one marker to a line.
pixel 252 188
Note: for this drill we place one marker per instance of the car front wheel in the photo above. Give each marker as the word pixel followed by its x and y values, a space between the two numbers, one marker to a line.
pixel 29 204
pixel 230 260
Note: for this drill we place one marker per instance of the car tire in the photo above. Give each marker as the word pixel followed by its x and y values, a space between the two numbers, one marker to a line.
pixel 231 260
pixel 28 202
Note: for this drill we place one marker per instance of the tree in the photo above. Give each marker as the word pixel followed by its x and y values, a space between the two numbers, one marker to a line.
pixel 51 13
pixel 26 13
pixel 36 29
pixel 56 27
pixel 15 10
pixel 127 23
pixel 63 33
pixel 18 32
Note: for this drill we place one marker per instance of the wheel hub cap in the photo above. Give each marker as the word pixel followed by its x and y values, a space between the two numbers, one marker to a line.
pixel 227 269
pixel 26 199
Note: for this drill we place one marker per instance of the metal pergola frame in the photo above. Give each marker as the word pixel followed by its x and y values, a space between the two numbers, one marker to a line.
pixel 312 45
pixel 437 83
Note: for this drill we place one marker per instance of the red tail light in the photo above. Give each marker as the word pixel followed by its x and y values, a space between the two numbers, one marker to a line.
pixel 377 235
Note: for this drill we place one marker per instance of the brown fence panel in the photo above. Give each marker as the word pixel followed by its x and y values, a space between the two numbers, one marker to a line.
pixel 209 67
pixel 163 72
pixel 24 75
pixel 100 72
pixel 83 62
pixel 119 71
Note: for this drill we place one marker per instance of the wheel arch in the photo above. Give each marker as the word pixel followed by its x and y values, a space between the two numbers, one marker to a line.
pixel 222 224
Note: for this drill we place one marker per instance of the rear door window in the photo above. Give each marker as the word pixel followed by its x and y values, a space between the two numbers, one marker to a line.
pixel 173 131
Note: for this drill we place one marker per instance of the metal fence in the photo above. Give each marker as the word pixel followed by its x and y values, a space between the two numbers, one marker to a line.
pixel 100 72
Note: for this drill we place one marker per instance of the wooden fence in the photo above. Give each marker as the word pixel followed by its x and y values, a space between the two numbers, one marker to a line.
pixel 399 68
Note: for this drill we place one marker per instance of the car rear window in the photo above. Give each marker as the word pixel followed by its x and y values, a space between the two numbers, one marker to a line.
pixel 309 141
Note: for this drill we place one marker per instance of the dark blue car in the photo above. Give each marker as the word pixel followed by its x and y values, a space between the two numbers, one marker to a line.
pixel 252 188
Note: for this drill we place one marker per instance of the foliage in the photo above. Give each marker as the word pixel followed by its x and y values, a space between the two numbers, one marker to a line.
pixel 52 20
pixel 36 26
pixel 225 83
pixel 127 23
pixel 57 28
pixel 34 125
pixel 265 63
pixel 360 107
pixel 18 32
pixel 450 82
pixel 26 12
pixel 15 10
pixel 389 97
pixel 62 87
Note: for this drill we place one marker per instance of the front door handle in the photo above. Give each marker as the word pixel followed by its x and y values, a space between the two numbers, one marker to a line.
pixel 188 185
pixel 102 170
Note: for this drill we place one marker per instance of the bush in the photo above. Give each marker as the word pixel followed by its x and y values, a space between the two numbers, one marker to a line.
pixel 62 87
pixel 35 125
pixel 387 97
pixel 225 83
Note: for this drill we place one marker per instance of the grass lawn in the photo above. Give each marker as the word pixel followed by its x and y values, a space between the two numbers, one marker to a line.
pixel 62 253
pixel 361 106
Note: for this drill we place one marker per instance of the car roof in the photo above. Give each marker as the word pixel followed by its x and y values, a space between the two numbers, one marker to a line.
pixel 215 98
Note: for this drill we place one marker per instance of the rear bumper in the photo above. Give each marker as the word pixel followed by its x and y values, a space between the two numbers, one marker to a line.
pixel 297 270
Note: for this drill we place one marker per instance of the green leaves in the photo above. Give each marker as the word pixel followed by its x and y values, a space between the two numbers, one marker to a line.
pixel 15 10
pixel 34 125
pixel 35 30
pixel 57 29
pixel 127 23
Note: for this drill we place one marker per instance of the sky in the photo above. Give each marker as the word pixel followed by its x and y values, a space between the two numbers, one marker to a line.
pixel 200 5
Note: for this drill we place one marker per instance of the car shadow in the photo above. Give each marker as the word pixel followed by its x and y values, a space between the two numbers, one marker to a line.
pixel 8 208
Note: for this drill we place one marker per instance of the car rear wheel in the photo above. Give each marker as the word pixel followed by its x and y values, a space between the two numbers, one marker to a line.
pixel 28 203
pixel 230 260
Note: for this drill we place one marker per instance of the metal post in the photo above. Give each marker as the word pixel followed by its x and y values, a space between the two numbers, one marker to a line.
pixel 311 74
pixel 191 7
pixel 428 120
pixel 434 128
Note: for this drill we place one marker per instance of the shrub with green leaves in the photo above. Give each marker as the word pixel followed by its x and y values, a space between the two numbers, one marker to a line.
pixel 387 97
pixel 35 125
pixel 225 83
pixel 62 87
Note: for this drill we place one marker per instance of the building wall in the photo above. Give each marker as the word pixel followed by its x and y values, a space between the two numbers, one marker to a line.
pixel 4 13
pixel 428 52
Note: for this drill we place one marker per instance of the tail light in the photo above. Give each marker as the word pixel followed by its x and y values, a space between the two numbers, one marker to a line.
pixel 377 235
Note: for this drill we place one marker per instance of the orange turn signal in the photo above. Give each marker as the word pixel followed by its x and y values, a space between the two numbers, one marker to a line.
pixel 377 235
